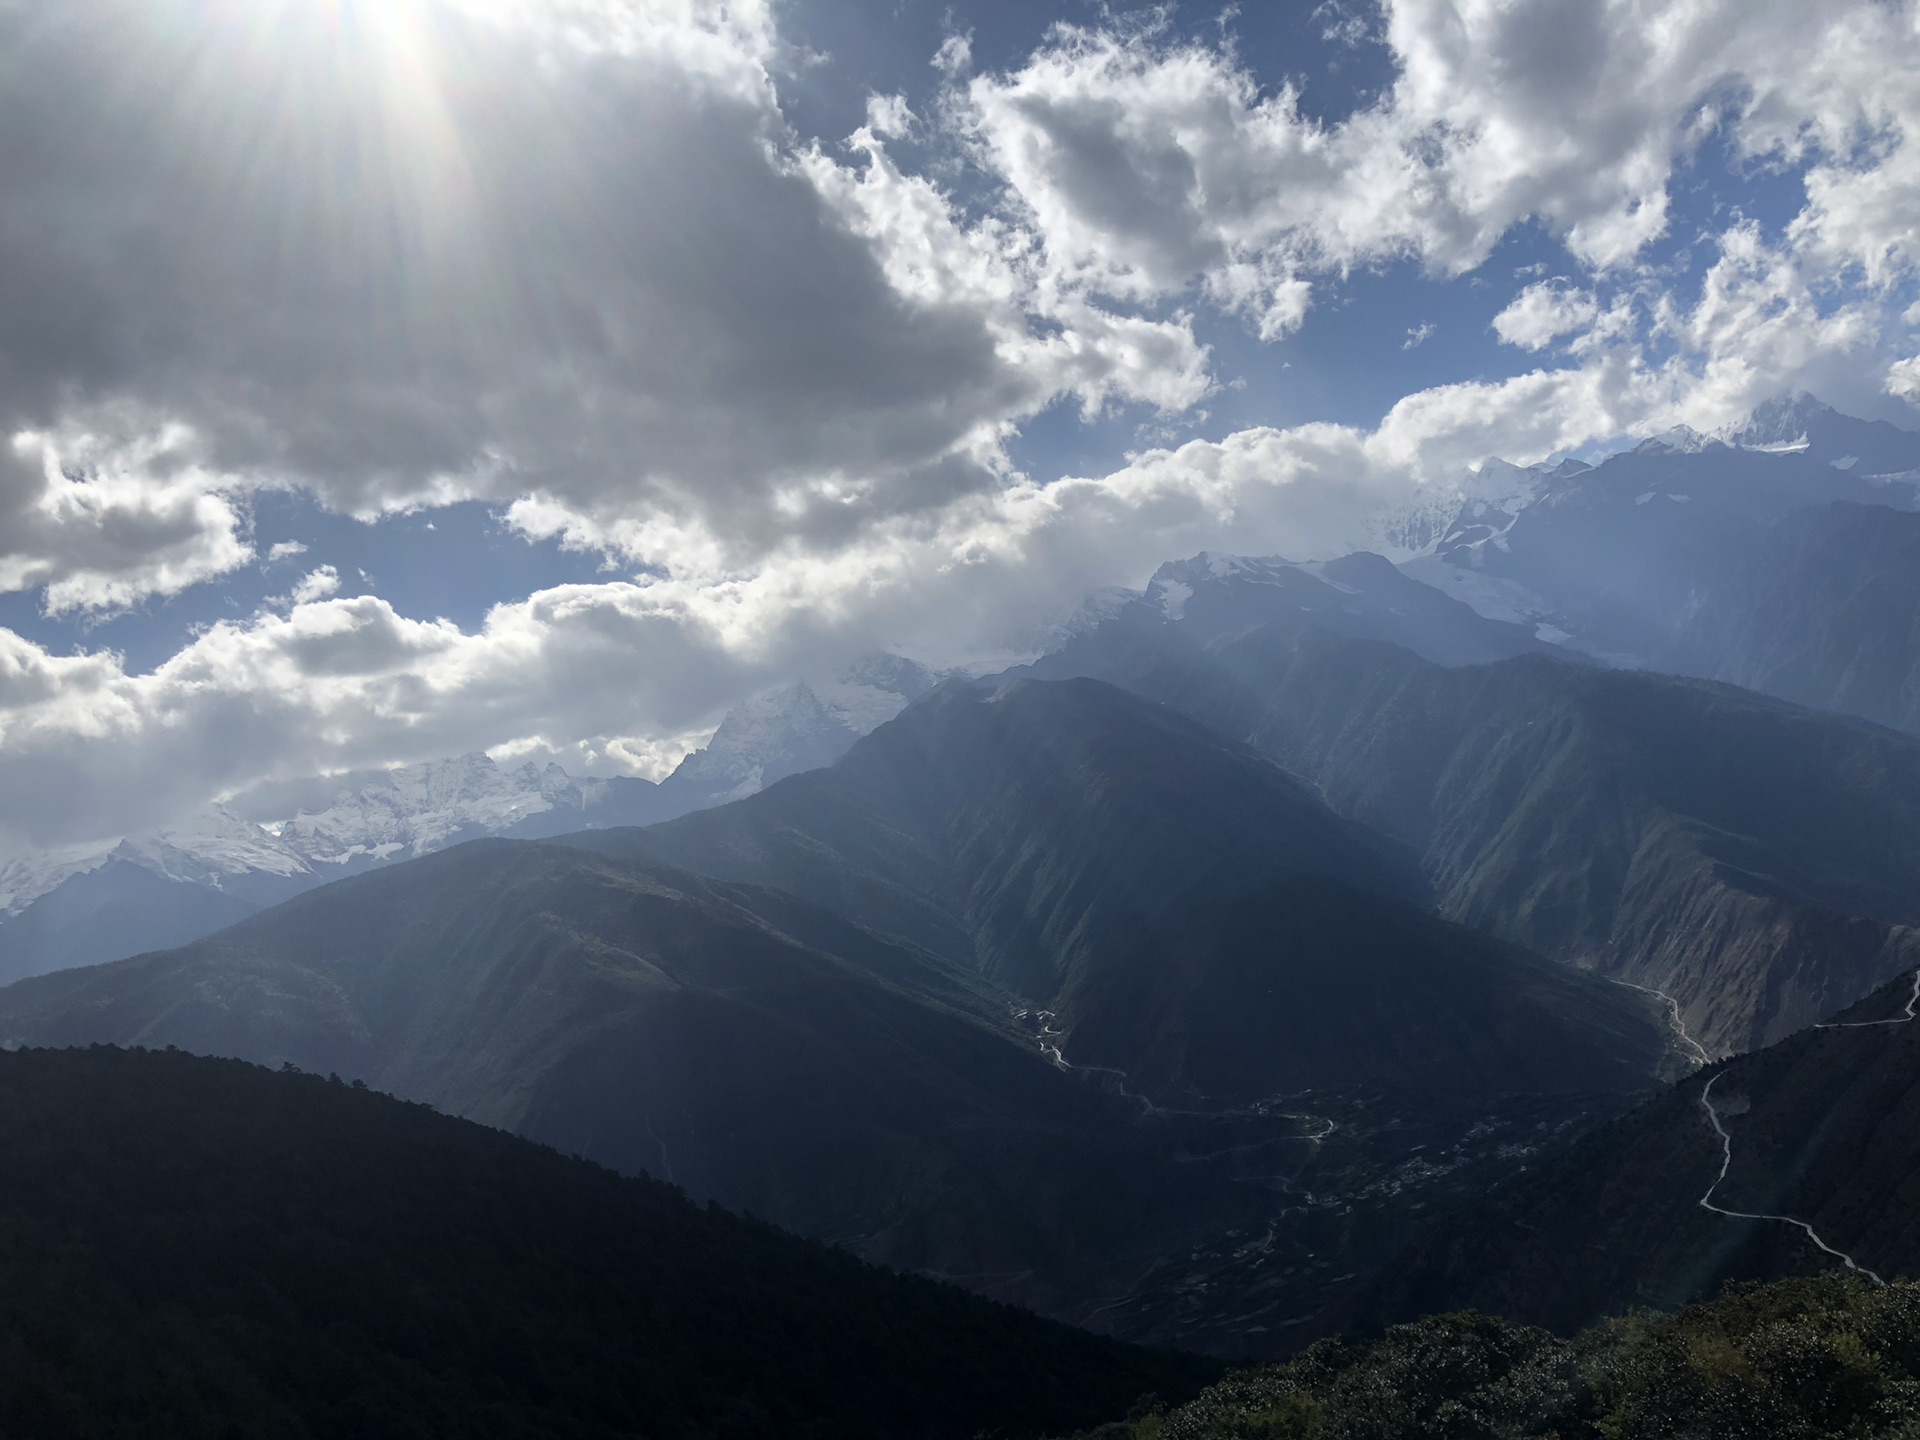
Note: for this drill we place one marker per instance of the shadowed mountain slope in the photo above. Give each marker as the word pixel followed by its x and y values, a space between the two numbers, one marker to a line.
pixel 1823 1128
pixel 752 1049
pixel 201 1247
pixel 1824 610
pixel 1188 913
pixel 1758 862
pixel 114 911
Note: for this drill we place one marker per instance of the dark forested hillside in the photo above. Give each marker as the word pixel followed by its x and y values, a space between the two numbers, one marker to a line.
pixel 1756 861
pixel 1188 913
pixel 200 1247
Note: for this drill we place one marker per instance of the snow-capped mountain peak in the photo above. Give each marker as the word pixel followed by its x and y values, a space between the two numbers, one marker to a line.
pixel 211 845
pixel 1780 424
pixel 798 727
pixel 208 848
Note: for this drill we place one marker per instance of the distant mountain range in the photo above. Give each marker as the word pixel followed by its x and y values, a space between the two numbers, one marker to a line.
pixel 753 1049
pixel 86 905
pixel 1190 915
pixel 1054 935
pixel 1781 556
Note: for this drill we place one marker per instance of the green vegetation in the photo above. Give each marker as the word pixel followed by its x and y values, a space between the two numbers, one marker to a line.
pixel 1807 1359
pixel 196 1247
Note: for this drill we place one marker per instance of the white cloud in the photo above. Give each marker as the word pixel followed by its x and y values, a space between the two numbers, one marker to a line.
pixel 613 675
pixel 110 508
pixel 316 585
pixel 1342 22
pixel 538 288
pixel 1144 168
pixel 1903 378
pixel 1148 167
pixel 286 550
pixel 889 115
pixel 1760 327
pixel 1417 336
pixel 955 55
pixel 1542 313
pixel 481 314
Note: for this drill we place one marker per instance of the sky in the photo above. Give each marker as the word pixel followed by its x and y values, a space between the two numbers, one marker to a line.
pixel 387 381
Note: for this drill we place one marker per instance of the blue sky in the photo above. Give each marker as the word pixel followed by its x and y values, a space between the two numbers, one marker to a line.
pixel 544 376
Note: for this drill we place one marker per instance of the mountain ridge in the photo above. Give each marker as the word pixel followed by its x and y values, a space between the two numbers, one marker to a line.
pixel 1045 833
pixel 1552 808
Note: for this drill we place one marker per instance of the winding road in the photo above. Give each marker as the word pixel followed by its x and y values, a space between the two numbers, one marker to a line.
pixel 1726 1162
pixel 1906 1017
pixel 1903 1019
pixel 1673 1018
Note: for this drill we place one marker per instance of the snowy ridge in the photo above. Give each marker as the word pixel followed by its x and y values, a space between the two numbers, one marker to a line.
pixel 409 811
pixel 25 878
pixel 420 808
pixel 203 850
pixel 210 846
pixel 798 727
pixel 1027 643
pixel 1490 495
pixel 416 809
pixel 1780 425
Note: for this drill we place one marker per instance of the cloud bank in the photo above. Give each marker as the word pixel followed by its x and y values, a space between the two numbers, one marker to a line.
pixel 569 258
